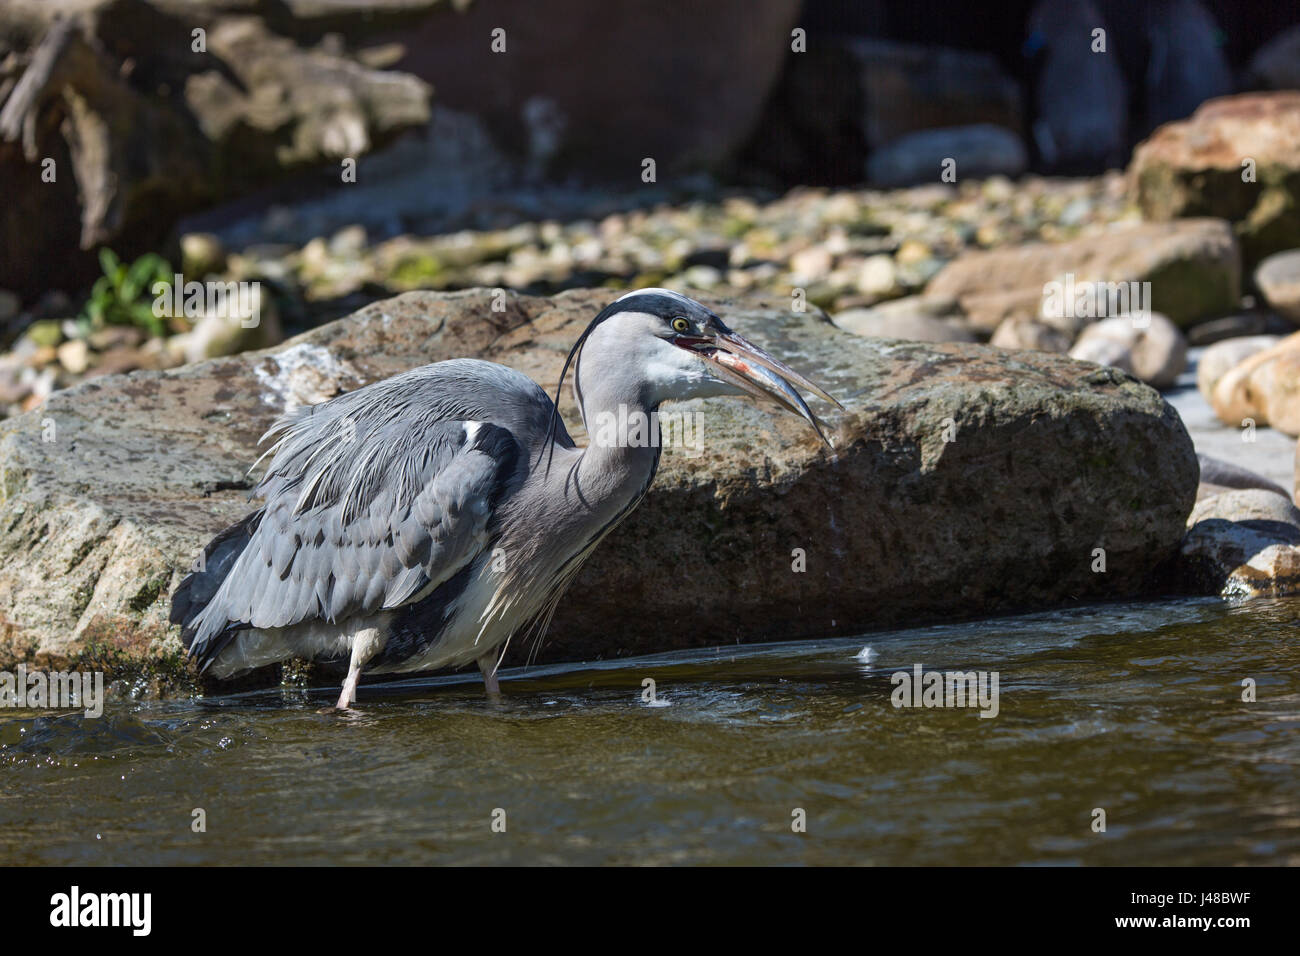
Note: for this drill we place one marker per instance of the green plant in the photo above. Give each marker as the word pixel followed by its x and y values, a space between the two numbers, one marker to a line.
pixel 123 294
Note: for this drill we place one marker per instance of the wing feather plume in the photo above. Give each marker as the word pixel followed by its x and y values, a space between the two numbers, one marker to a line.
pixel 371 501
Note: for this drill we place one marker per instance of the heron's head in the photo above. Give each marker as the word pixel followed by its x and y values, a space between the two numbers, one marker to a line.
pixel 673 348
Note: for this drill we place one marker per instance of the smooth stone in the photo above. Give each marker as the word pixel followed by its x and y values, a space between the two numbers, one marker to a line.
pixel 202 254
pixel 1248 504
pixel 1263 388
pixel 1277 383
pixel 811 264
pixel 1104 350
pixel 1278 278
pixel 348 242
pixel 74 356
pixel 1222 357
pixel 878 277
pixel 1150 347
pixel 1243 544
pixel 913 253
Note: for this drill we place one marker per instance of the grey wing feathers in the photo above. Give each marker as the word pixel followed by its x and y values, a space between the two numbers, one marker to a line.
pixel 372 500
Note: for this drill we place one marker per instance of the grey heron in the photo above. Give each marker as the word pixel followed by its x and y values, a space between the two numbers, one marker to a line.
pixel 423 520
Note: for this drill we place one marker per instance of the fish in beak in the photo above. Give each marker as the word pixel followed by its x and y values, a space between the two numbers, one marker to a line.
pixel 740 362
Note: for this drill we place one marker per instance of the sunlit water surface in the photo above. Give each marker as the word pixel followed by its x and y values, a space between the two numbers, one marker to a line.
pixel 1135 709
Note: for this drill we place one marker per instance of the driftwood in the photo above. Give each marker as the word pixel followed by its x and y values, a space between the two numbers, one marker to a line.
pixel 149 120
pixel 49 70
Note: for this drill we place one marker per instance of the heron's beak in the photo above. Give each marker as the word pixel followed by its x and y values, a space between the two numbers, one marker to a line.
pixel 742 363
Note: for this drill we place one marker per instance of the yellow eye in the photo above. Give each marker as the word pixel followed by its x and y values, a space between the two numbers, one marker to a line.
pixel 680 324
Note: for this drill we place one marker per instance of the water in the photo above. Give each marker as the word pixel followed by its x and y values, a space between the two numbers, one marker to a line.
pixel 1135 709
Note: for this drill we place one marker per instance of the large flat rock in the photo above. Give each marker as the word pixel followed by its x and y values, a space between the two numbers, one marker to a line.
pixel 967 480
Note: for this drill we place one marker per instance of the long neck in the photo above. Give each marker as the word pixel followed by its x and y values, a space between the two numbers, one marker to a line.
pixel 622 454
pixel 572 499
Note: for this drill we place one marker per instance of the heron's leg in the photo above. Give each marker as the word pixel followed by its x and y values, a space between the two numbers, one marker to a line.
pixel 366 643
pixel 488 664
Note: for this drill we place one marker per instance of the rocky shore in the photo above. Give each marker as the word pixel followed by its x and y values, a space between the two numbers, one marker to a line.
pixel 966 480
pixel 1000 345
pixel 842 249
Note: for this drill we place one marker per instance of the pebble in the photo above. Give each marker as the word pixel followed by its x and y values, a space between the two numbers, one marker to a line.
pixel 202 254
pixel 878 278
pixel 847 248
pixel 74 356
